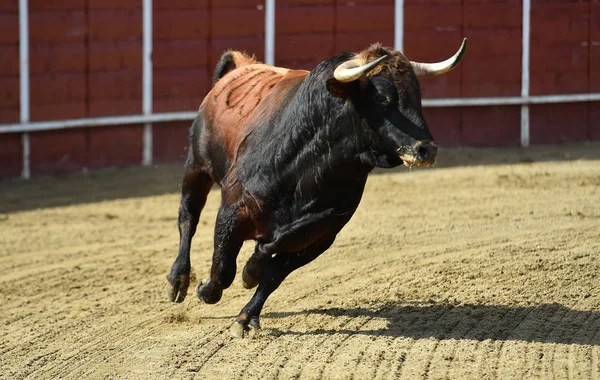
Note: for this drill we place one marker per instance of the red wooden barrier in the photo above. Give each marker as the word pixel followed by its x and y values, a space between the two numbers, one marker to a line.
pixel 86 61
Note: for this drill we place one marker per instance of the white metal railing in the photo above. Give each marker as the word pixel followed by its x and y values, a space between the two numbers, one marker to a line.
pixel 399 25
pixel 270 32
pixel 147 80
pixel 525 72
pixel 179 116
pixel 24 81
pixel 148 117
pixel 96 122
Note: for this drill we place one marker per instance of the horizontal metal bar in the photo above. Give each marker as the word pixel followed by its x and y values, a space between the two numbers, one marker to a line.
pixel 97 122
pixel 178 116
pixel 507 101
pixel 470 102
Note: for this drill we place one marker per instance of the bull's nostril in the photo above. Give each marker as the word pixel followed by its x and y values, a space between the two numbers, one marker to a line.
pixel 422 152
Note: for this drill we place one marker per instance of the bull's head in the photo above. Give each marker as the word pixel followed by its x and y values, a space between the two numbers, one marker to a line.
pixel 383 87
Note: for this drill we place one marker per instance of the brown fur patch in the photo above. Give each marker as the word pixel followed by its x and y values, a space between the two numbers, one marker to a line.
pixel 397 68
pixel 239 94
pixel 397 64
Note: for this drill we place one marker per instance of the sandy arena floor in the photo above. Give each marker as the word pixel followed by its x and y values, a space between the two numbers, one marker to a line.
pixel 490 270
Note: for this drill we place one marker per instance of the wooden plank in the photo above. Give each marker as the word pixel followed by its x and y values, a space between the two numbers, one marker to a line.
pixel 180 83
pixel 304 47
pixel 306 19
pixel 353 17
pixel 57 88
pixel 559 32
pixel 115 84
pixel 225 23
pixel 357 41
pixel 181 24
pixel 170 143
pixel 61 151
pixel 558 123
pixel 57 57
pixel 445 125
pixel 9 28
pixel 180 54
pixel 9 92
pixel 115 146
pixel 492 126
pixel 59 26
pixel 10 155
pixel 56 5
pixel 115 24
pixel 115 55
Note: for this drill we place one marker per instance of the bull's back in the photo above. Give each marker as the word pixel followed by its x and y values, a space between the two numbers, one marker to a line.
pixel 231 108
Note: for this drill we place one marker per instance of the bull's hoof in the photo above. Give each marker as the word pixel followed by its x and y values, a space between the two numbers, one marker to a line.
pixel 241 329
pixel 209 292
pixel 179 287
pixel 251 274
pixel 238 330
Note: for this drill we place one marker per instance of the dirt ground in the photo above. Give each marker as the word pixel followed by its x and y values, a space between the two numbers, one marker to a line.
pixel 484 267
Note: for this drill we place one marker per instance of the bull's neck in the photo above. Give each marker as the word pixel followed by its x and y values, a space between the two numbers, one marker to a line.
pixel 320 131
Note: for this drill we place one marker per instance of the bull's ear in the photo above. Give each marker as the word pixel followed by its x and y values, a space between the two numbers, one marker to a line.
pixel 338 89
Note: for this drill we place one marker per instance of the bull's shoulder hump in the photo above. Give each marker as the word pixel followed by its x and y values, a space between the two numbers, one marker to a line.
pixel 245 87
pixel 246 84
pixel 253 72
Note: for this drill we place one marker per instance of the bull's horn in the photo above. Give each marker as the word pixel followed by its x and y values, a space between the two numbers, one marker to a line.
pixel 430 69
pixel 352 70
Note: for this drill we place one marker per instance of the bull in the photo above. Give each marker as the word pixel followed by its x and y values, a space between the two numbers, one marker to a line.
pixel 291 151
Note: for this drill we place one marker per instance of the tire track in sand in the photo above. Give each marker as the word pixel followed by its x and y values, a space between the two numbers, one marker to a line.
pixel 595 375
pixel 521 337
pixel 411 358
pixel 572 347
pixel 494 334
pixel 312 347
pixel 400 356
pixel 112 342
pixel 446 349
pixel 280 363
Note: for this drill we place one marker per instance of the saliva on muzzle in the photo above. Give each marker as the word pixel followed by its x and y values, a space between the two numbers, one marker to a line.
pixel 421 153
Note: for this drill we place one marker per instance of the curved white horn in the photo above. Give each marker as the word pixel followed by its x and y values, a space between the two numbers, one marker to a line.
pixel 430 69
pixel 352 70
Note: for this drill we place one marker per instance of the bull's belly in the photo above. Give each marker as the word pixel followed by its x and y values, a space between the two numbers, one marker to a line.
pixel 294 227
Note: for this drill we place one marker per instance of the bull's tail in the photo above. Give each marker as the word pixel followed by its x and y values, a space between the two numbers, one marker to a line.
pixel 230 60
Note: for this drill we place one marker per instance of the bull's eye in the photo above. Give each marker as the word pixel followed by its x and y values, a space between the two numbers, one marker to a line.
pixel 380 98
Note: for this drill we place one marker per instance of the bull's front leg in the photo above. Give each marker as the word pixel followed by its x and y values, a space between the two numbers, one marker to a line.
pixel 230 231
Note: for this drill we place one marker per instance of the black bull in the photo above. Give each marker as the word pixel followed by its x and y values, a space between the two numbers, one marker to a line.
pixel 291 151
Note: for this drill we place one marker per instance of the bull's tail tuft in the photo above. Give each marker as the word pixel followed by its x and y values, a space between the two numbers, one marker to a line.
pixel 231 60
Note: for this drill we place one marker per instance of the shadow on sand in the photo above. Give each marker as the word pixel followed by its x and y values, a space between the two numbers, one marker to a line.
pixel 19 195
pixel 546 323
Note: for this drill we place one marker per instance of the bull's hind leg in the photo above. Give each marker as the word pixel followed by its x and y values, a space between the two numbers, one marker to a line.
pixel 195 188
pixel 274 271
pixel 230 231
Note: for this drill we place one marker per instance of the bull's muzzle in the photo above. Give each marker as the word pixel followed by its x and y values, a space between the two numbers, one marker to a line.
pixel 419 154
